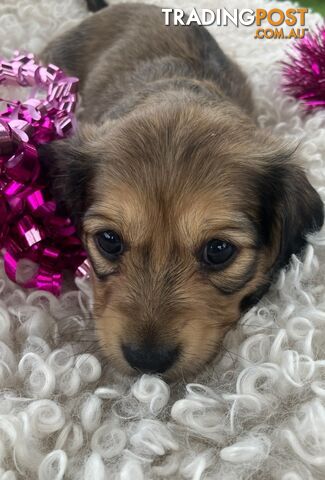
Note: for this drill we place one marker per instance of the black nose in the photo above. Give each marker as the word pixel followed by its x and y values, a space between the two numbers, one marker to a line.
pixel 149 359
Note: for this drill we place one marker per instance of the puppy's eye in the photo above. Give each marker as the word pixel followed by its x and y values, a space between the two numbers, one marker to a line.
pixel 109 243
pixel 217 252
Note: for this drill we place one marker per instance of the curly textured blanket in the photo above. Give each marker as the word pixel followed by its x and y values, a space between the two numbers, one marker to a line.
pixel 259 413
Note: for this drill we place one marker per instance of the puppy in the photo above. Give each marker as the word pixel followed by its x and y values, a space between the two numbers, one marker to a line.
pixel 187 209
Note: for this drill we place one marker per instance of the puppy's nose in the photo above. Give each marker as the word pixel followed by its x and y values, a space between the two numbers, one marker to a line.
pixel 149 359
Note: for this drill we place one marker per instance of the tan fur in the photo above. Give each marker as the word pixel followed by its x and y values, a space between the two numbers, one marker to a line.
pixel 158 291
pixel 168 155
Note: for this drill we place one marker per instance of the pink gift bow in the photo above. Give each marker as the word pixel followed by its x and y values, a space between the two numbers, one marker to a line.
pixel 304 70
pixel 30 225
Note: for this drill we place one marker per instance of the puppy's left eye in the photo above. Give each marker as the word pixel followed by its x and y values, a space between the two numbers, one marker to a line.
pixel 217 252
pixel 109 244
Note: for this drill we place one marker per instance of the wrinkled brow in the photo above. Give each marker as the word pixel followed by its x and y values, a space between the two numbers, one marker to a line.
pixel 198 225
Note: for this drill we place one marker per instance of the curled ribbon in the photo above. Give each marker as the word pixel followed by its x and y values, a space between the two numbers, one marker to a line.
pixel 30 225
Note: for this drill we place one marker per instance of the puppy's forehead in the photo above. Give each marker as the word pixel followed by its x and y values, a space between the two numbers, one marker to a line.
pixel 185 217
pixel 181 172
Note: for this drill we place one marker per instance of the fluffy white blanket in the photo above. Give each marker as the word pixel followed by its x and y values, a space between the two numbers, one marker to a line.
pixel 258 414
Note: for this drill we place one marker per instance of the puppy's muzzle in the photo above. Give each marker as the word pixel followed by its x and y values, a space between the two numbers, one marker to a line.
pixel 149 359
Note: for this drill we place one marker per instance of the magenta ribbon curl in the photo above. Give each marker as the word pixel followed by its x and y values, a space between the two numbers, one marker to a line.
pixel 30 225
pixel 304 70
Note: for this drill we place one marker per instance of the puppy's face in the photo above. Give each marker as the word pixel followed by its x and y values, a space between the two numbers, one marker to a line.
pixel 186 215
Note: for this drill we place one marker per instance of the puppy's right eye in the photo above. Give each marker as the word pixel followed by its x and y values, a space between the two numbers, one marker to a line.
pixel 109 244
pixel 217 252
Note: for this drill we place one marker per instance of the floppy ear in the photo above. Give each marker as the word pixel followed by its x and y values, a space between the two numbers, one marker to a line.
pixel 291 208
pixel 69 172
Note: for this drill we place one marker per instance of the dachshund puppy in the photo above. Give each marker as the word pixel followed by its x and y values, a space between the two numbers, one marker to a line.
pixel 187 209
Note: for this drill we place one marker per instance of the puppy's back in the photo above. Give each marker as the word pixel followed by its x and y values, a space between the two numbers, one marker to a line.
pixel 125 49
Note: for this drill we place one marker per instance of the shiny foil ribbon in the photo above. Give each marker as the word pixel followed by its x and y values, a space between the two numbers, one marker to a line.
pixel 304 70
pixel 30 225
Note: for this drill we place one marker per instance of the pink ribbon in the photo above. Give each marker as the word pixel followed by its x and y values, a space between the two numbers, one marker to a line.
pixel 30 226
pixel 304 70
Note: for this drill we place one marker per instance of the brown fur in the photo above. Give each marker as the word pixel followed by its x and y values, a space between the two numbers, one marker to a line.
pixel 171 158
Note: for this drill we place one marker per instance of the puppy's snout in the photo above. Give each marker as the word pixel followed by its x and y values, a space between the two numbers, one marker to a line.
pixel 150 359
